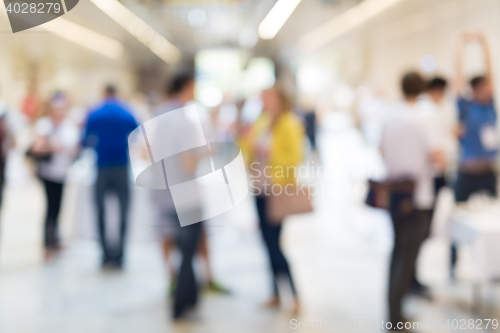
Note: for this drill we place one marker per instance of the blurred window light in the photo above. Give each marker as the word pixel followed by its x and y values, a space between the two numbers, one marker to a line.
pixel 259 75
pixel 197 17
pixel 220 68
pixel 158 44
pixel 343 23
pixel 343 97
pixel 219 60
pixel 85 37
pixel 276 17
pixel 428 63
pixel 248 38
pixel 311 78
pixel 211 96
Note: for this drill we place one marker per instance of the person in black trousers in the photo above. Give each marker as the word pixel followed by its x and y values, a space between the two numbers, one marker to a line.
pixel 107 131
pixel 410 230
pixel 53 193
pixel 186 293
pixel 409 155
pixel 275 142
pixel 271 235
pixel 54 149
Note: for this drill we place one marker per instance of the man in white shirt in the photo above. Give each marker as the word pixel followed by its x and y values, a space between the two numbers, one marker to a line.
pixel 409 144
pixel 435 100
pixel 439 123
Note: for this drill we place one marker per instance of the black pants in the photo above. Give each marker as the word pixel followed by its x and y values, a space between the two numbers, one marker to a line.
pixel 311 130
pixel 271 235
pixel 410 231
pixel 53 193
pixel 186 294
pixel 439 183
pixel 468 184
pixel 2 178
pixel 112 180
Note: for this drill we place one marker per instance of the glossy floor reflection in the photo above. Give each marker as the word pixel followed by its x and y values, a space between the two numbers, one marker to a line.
pixel 339 256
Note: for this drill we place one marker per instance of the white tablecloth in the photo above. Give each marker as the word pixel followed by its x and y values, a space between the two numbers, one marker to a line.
pixel 480 230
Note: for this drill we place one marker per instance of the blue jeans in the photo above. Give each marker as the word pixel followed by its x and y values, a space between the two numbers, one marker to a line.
pixel 271 235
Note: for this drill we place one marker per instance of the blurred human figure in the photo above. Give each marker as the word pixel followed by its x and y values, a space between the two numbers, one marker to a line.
pixel 311 123
pixel 31 104
pixel 311 128
pixel 372 112
pixel 432 104
pixel 107 131
pixel 477 131
pixel 180 91
pixel 7 141
pixel 408 150
pixel 55 147
pixel 435 98
pixel 275 142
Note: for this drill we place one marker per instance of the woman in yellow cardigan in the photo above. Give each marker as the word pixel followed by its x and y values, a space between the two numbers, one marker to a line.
pixel 273 148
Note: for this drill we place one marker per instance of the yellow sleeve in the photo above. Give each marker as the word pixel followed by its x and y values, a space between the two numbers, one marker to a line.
pixel 288 146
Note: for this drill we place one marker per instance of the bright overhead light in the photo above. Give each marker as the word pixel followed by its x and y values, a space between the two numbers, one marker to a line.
pixel 276 17
pixel 85 37
pixel 343 23
pixel 158 44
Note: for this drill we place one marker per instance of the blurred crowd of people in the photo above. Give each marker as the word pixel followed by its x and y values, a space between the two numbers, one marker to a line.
pixel 418 144
pixel 415 148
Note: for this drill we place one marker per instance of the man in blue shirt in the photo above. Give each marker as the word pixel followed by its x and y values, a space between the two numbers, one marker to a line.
pixel 107 131
pixel 477 132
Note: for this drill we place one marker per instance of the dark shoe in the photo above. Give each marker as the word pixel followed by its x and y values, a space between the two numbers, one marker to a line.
pixel 111 264
pixel 186 314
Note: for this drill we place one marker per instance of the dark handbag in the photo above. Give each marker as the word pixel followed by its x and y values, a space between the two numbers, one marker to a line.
pixel 396 195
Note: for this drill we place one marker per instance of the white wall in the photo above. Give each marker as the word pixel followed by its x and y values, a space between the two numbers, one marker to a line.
pixel 385 47
pixel 62 65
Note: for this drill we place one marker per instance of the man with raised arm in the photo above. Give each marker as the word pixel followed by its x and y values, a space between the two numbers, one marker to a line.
pixel 477 130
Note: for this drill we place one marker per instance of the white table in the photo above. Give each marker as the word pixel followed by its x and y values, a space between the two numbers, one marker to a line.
pixel 479 230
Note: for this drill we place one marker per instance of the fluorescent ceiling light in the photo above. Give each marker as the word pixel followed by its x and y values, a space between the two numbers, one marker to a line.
pixel 276 17
pixel 343 23
pixel 85 37
pixel 140 29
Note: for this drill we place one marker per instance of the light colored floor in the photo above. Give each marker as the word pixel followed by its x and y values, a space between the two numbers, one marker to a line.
pixel 339 257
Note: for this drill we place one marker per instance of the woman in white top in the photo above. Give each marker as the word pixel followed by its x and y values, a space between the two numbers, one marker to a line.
pixel 56 140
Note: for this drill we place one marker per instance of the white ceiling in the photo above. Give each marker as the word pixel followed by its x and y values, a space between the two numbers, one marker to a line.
pixel 197 24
